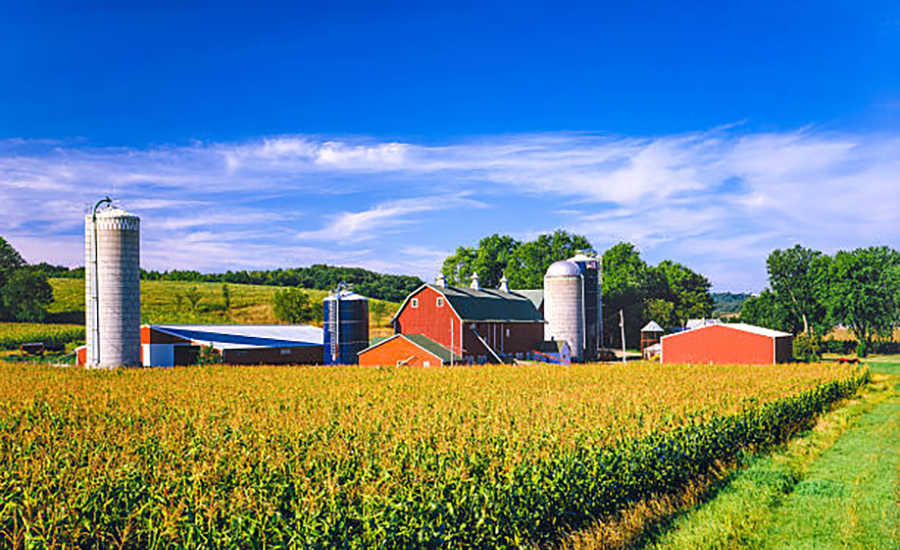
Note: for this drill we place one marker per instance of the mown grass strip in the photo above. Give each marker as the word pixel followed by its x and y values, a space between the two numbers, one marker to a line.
pixel 742 515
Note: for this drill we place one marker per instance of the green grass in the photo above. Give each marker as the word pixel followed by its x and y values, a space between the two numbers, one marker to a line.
pixel 250 304
pixel 832 488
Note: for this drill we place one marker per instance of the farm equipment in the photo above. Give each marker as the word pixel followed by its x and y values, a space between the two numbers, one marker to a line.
pixel 39 348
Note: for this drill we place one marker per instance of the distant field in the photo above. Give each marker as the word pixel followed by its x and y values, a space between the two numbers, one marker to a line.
pixel 350 457
pixel 14 334
pixel 250 304
pixel 844 334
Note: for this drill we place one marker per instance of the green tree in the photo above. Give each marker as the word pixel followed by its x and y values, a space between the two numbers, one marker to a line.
pixel 10 260
pixel 524 264
pixel 663 312
pixel 26 295
pixel 226 297
pixel 379 310
pixel 766 310
pixel 458 268
pixel 529 262
pixel 687 290
pixel 192 295
pixel 489 260
pixel 627 283
pixel 293 306
pixel 865 293
pixel 492 257
pixel 799 278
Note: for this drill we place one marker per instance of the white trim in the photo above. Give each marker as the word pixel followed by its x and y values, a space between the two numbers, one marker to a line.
pixel 749 329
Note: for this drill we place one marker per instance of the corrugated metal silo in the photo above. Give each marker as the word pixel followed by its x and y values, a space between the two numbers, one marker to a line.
pixel 112 288
pixel 346 324
pixel 593 308
pixel 564 306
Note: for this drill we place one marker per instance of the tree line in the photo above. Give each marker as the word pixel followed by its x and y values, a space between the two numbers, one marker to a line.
pixel 811 292
pixel 24 290
pixel 669 293
pixel 393 288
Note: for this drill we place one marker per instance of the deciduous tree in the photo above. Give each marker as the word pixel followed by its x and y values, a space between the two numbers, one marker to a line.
pixel 865 293
pixel 293 306
pixel 798 277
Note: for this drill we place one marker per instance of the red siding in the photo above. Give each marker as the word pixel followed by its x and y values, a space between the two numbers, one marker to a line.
pixel 435 323
pixel 719 344
pixel 390 351
pixel 152 336
pixel 430 320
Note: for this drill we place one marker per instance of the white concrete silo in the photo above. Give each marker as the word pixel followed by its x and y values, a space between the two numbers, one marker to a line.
pixel 564 306
pixel 112 288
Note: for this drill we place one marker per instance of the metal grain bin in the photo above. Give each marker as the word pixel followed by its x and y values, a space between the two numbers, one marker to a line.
pixel 593 309
pixel 346 326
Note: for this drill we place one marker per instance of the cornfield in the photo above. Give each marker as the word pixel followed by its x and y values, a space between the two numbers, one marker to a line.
pixel 280 457
pixel 14 334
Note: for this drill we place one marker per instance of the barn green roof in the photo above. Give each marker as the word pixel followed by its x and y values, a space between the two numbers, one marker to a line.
pixel 488 305
pixel 424 342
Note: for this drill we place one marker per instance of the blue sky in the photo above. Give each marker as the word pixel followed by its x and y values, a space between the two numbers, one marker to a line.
pixel 256 135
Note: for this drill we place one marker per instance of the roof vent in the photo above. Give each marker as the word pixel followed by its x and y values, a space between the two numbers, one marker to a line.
pixel 504 284
pixel 440 280
pixel 475 284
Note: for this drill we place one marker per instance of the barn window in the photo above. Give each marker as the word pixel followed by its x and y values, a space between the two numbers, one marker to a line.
pixel 439 302
pixel 507 333
pixel 414 303
pixel 427 363
pixel 286 351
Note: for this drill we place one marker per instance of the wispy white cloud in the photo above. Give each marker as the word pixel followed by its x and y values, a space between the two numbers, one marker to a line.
pixel 718 200
pixel 368 224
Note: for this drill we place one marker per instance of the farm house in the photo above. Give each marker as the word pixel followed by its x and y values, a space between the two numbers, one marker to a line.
pixel 413 350
pixel 169 345
pixel 726 343
pixel 480 325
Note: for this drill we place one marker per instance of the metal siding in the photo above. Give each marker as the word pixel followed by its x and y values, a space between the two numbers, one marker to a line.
pixel 352 327
pixel 784 349
pixel 435 323
pixel 431 321
pixel 718 344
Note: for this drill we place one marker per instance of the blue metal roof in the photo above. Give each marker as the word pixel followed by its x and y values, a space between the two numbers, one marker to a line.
pixel 247 336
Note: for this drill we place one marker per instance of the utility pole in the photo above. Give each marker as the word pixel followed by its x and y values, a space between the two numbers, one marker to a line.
pixel 451 341
pixel 622 326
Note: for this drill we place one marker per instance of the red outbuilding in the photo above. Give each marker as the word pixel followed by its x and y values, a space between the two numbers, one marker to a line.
pixel 480 325
pixel 728 343
pixel 412 350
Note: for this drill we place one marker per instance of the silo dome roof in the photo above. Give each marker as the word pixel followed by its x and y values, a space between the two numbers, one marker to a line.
pixel 114 212
pixel 563 268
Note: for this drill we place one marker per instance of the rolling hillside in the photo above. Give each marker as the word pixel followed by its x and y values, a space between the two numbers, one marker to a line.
pixel 167 302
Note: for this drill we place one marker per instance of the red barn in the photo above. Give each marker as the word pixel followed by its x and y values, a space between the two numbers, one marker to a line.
pixel 481 325
pixel 728 343
pixel 413 350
